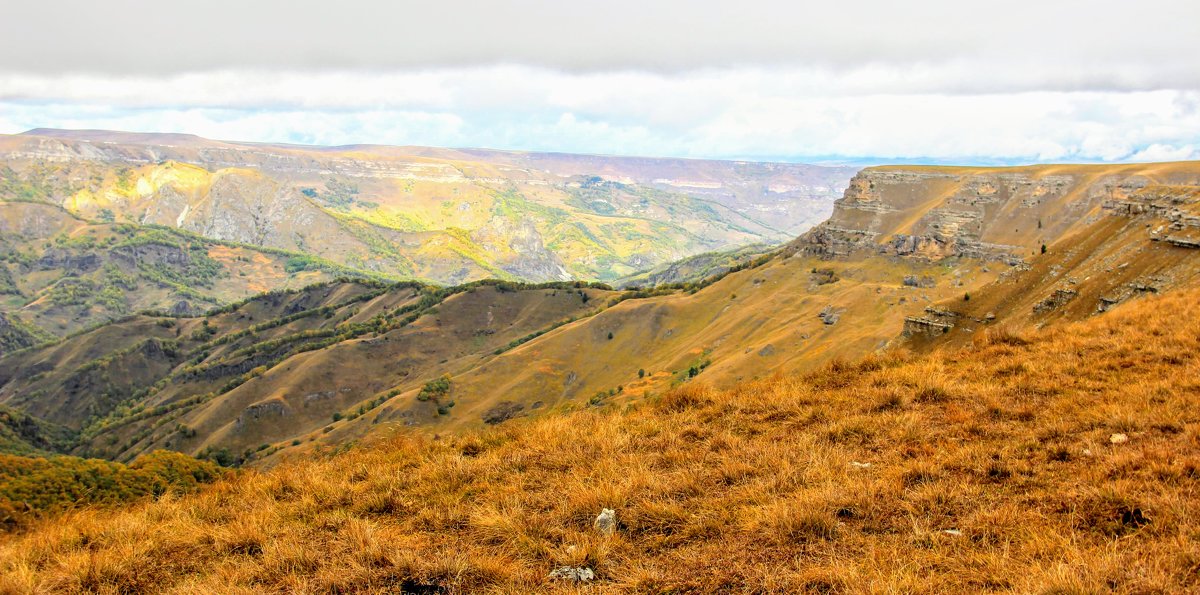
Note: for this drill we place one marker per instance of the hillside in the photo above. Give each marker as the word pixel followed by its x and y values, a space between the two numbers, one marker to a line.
pixel 60 274
pixel 1059 461
pixel 825 297
pixel 1144 245
pixel 437 215
pixel 696 268
pixel 909 258
pixel 274 367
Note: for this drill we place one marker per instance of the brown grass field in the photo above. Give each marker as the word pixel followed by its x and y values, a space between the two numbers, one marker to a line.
pixel 990 469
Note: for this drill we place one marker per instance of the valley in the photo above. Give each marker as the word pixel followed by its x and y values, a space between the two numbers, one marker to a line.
pixel 213 222
pixel 924 289
pixel 671 298
pixel 913 257
pixel 436 215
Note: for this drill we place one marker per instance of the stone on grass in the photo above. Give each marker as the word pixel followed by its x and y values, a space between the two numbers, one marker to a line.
pixel 575 574
pixel 606 521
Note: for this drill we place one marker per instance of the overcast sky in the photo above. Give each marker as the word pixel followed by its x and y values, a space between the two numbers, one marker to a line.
pixel 1013 81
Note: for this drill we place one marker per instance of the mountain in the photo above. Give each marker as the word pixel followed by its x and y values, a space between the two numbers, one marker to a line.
pixel 436 215
pixel 60 274
pixel 965 371
pixel 927 258
pixel 1076 240
pixel 1064 460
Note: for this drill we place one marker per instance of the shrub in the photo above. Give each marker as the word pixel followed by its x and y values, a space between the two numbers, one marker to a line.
pixel 435 389
pixel 31 487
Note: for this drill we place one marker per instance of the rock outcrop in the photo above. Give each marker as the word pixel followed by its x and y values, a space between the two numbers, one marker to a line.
pixel 1000 214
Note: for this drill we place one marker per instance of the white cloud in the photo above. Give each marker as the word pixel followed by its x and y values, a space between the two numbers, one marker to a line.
pixel 714 114
pixel 1023 80
pixel 1016 44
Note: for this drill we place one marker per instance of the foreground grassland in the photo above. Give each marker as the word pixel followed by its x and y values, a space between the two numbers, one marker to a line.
pixel 1063 461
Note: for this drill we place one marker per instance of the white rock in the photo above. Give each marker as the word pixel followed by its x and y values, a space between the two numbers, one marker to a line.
pixel 1118 438
pixel 606 521
pixel 954 532
pixel 574 574
pixel 860 465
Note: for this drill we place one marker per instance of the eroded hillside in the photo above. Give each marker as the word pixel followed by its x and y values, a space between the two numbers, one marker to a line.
pixel 60 274
pixel 437 215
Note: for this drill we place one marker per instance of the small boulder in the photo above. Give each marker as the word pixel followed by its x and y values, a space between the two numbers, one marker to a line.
pixel 574 574
pixel 1118 438
pixel 828 315
pixel 606 521
pixel 924 282
pixel 502 412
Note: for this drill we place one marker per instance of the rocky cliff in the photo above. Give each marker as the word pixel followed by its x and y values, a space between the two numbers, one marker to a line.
pixel 1000 214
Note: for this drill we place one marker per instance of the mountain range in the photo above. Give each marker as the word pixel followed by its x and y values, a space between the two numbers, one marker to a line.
pixel 968 372
pixel 87 216
pixel 911 255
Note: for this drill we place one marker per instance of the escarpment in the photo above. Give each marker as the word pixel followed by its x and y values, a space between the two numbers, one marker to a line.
pixel 1135 232
pixel 994 214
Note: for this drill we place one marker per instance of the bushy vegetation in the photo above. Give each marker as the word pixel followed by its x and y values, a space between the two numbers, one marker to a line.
pixel 35 186
pixel 71 292
pixel 23 434
pixel 32 486
pixel 435 389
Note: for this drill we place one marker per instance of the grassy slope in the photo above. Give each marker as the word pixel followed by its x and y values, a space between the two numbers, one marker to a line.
pixel 114 360
pixel 846 479
pixel 750 324
pixel 1113 260
pixel 274 368
pixel 695 268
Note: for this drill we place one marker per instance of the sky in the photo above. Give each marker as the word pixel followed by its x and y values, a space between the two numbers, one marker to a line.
pixel 1017 81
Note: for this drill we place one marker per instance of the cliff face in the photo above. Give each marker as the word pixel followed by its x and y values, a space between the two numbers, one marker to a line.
pixel 995 214
pixel 1126 234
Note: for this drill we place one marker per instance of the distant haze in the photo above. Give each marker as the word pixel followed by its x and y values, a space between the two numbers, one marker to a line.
pixel 938 80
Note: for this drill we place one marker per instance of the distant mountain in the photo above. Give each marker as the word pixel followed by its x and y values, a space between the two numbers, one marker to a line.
pixel 438 215
pixel 915 256
pixel 60 273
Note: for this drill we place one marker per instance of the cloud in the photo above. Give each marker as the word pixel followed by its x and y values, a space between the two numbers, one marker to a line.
pixel 713 116
pixel 1026 44
pixel 1022 80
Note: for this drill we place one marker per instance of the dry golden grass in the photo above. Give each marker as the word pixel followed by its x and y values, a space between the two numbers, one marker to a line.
pixel 989 469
